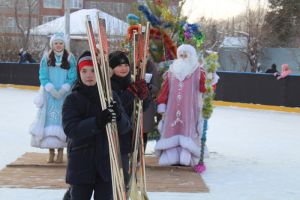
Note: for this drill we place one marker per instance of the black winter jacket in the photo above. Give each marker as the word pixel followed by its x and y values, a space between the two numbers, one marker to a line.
pixel 88 152
pixel 120 85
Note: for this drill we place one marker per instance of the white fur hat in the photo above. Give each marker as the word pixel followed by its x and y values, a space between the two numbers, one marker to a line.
pixel 189 49
pixel 57 37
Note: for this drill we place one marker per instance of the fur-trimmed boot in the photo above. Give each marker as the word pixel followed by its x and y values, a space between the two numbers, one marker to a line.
pixel 60 155
pixel 51 156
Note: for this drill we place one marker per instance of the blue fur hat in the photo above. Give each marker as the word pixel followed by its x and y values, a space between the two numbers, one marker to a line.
pixel 57 37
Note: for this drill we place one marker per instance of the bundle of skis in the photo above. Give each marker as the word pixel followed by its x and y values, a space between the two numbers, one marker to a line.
pixel 99 52
pixel 140 45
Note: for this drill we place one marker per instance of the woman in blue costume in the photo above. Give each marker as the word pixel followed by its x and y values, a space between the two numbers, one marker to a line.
pixel 57 75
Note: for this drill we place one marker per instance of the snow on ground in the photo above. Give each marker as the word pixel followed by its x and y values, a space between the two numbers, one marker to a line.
pixel 254 154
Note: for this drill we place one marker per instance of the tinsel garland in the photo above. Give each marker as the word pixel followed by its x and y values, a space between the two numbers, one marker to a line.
pixel 166 14
pixel 149 16
pixel 211 61
pixel 131 29
pixel 161 18
pixel 132 19
pixel 170 47
pixel 158 2
pixel 190 33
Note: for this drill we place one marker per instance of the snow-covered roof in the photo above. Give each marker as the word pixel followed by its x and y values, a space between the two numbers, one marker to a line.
pixel 234 42
pixel 114 26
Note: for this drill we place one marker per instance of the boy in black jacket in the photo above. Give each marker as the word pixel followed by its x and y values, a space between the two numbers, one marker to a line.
pixel 127 90
pixel 84 124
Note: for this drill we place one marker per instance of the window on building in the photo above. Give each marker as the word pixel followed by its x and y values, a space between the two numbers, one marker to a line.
pixel 52 3
pixel 24 6
pixel 76 4
pixel 91 4
pixel 11 22
pixel 11 25
pixel 49 18
pixel 34 22
pixel 6 3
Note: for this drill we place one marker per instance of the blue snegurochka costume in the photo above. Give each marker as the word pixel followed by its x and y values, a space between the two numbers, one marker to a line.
pixel 47 131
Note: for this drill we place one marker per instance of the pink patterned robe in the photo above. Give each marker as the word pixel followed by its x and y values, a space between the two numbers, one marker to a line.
pixel 181 127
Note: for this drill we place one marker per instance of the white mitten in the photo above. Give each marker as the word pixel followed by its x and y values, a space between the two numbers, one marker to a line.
pixel 64 89
pixel 55 94
pixel 49 87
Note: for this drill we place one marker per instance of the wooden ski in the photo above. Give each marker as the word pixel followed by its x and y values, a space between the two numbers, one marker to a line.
pixel 142 153
pixel 103 54
pixel 140 61
pixel 133 187
pixel 105 95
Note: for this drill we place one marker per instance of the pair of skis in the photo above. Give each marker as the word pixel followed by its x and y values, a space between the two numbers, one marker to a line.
pixel 99 51
pixel 140 48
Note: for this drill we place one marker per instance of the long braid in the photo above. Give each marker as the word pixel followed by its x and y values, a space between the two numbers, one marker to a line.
pixel 64 63
pixel 51 59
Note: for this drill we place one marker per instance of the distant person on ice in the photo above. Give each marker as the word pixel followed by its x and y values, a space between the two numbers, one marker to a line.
pixel 57 75
pixel 180 103
pixel 273 69
pixel 285 71
pixel 25 57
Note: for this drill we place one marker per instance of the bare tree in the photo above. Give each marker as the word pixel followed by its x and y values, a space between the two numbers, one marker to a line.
pixel 283 23
pixel 252 29
pixel 17 17
pixel 245 27
pixel 210 28
pixel 28 7
pixel 8 48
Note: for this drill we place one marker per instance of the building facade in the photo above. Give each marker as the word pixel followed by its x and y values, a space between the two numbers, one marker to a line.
pixel 42 11
pixel 14 13
pixel 18 16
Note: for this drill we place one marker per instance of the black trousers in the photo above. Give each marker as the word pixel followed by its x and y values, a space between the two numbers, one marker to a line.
pixel 102 191
pixel 125 165
pixel 145 141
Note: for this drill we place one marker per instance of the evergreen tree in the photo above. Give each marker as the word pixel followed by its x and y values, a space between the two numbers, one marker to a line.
pixel 283 20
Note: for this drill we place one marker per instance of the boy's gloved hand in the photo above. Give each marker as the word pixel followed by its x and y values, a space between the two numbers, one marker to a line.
pixel 105 116
pixel 139 89
pixel 117 110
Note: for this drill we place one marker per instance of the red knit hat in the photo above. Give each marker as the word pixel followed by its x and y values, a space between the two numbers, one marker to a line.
pixel 84 60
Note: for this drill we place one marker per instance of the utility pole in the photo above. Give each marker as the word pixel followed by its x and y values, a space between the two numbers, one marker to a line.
pixel 67 23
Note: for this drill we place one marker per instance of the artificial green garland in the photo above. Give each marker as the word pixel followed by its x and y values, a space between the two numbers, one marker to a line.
pixel 211 65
